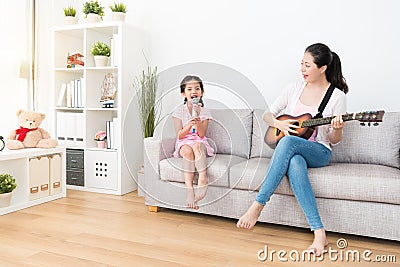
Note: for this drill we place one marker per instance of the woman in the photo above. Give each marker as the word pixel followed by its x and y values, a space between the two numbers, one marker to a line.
pixel 320 68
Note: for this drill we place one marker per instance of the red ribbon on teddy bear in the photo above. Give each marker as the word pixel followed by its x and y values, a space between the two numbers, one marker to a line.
pixel 21 132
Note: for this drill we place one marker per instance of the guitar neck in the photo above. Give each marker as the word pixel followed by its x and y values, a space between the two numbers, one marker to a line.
pixel 326 120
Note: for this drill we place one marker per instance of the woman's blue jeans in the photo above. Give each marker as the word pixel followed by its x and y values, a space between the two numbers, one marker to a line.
pixel 292 156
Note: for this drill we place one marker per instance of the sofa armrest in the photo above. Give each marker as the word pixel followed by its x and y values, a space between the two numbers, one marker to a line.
pixel 156 150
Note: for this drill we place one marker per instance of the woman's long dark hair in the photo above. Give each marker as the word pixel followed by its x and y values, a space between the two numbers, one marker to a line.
pixel 189 78
pixel 323 56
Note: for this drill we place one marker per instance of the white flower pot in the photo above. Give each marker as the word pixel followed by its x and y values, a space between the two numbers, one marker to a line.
pixel 92 18
pixel 118 16
pixel 68 20
pixel 5 199
pixel 100 61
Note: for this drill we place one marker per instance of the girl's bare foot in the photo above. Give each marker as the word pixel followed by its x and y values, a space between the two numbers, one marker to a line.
pixel 190 202
pixel 249 219
pixel 319 243
pixel 202 186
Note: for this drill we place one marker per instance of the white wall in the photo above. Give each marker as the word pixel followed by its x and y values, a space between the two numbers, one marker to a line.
pixel 263 40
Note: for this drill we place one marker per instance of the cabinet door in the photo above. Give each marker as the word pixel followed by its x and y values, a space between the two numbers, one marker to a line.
pixel 101 170
pixel 38 177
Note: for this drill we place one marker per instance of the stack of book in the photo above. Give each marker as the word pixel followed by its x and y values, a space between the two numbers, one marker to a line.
pixel 71 94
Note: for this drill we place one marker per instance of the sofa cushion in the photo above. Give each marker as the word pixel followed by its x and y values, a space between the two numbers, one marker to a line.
pixel 230 131
pixel 217 169
pixel 258 146
pixel 364 182
pixel 373 145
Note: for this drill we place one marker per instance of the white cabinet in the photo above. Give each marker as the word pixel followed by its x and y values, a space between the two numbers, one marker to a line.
pixel 78 112
pixel 39 174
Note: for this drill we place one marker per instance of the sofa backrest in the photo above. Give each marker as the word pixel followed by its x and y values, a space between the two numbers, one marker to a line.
pixel 258 146
pixel 370 145
pixel 230 131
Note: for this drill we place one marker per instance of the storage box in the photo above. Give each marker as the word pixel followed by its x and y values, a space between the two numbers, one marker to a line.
pixel 75 159
pixel 55 162
pixel 38 177
pixel 75 177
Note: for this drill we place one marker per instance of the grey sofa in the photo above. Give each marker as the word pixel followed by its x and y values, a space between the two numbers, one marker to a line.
pixel 358 193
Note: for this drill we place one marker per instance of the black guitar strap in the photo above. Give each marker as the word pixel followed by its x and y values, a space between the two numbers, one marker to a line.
pixel 324 101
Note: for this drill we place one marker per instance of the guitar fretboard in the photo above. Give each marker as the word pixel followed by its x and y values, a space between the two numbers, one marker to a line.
pixel 326 120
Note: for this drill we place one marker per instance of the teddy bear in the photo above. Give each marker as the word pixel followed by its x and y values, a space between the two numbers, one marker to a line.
pixel 29 134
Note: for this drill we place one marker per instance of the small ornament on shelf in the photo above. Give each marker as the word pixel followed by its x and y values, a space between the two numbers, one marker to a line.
pixel 75 60
pixel 100 138
pixel 108 91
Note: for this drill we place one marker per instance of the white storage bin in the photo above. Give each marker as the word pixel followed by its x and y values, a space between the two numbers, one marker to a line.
pixel 55 162
pixel 38 177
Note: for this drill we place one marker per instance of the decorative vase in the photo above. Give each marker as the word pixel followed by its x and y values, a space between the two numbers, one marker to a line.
pixel 92 18
pixel 68 20
pixel 101 144
pixel 5 199
pixel 100 61
pixel 118 16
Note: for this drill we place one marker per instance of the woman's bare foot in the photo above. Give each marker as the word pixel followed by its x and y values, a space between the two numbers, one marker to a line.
pixel 249 219
pixel 202 186
pixel 319 243
pixel 190 202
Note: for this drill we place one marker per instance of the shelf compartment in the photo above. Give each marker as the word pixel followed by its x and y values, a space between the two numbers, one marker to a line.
pixel 67 42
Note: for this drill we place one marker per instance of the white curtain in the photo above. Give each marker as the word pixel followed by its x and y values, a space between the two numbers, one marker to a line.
pixel 16 46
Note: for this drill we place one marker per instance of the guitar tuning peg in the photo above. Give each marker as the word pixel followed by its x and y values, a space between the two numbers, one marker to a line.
pixel 362 123
pixel 376 124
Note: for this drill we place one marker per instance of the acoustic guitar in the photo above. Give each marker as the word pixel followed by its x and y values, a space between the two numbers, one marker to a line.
pixel 307 124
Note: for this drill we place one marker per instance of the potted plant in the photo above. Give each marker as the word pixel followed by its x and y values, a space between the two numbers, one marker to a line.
pixel 149 110
pixel 7 185
pixel 118 12
pixel 101 53
pixel 70 15
pixel 100 138
pixel 149 107
pixel 94 12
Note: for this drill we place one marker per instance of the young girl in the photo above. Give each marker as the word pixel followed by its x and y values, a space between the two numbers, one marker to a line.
pixel 320 68
pixel 191 143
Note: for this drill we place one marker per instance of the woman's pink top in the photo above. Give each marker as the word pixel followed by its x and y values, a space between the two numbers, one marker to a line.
pixel 300 109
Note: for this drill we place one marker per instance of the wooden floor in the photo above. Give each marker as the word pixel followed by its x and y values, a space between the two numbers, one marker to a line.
pixel 88 229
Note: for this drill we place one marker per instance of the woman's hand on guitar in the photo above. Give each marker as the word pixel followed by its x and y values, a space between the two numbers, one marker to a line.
pixel 337 123
pixel 287 126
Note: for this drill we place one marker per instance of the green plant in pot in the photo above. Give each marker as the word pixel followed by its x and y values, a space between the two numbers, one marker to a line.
pixel 149 107
pixel 118 11
pixel 7 185
pixel 101 53
pixel 70 15
pixel 93 11
pixel 70 11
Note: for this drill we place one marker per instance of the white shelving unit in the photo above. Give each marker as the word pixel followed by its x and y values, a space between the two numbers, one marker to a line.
pixel 79 125
pixel 17 163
